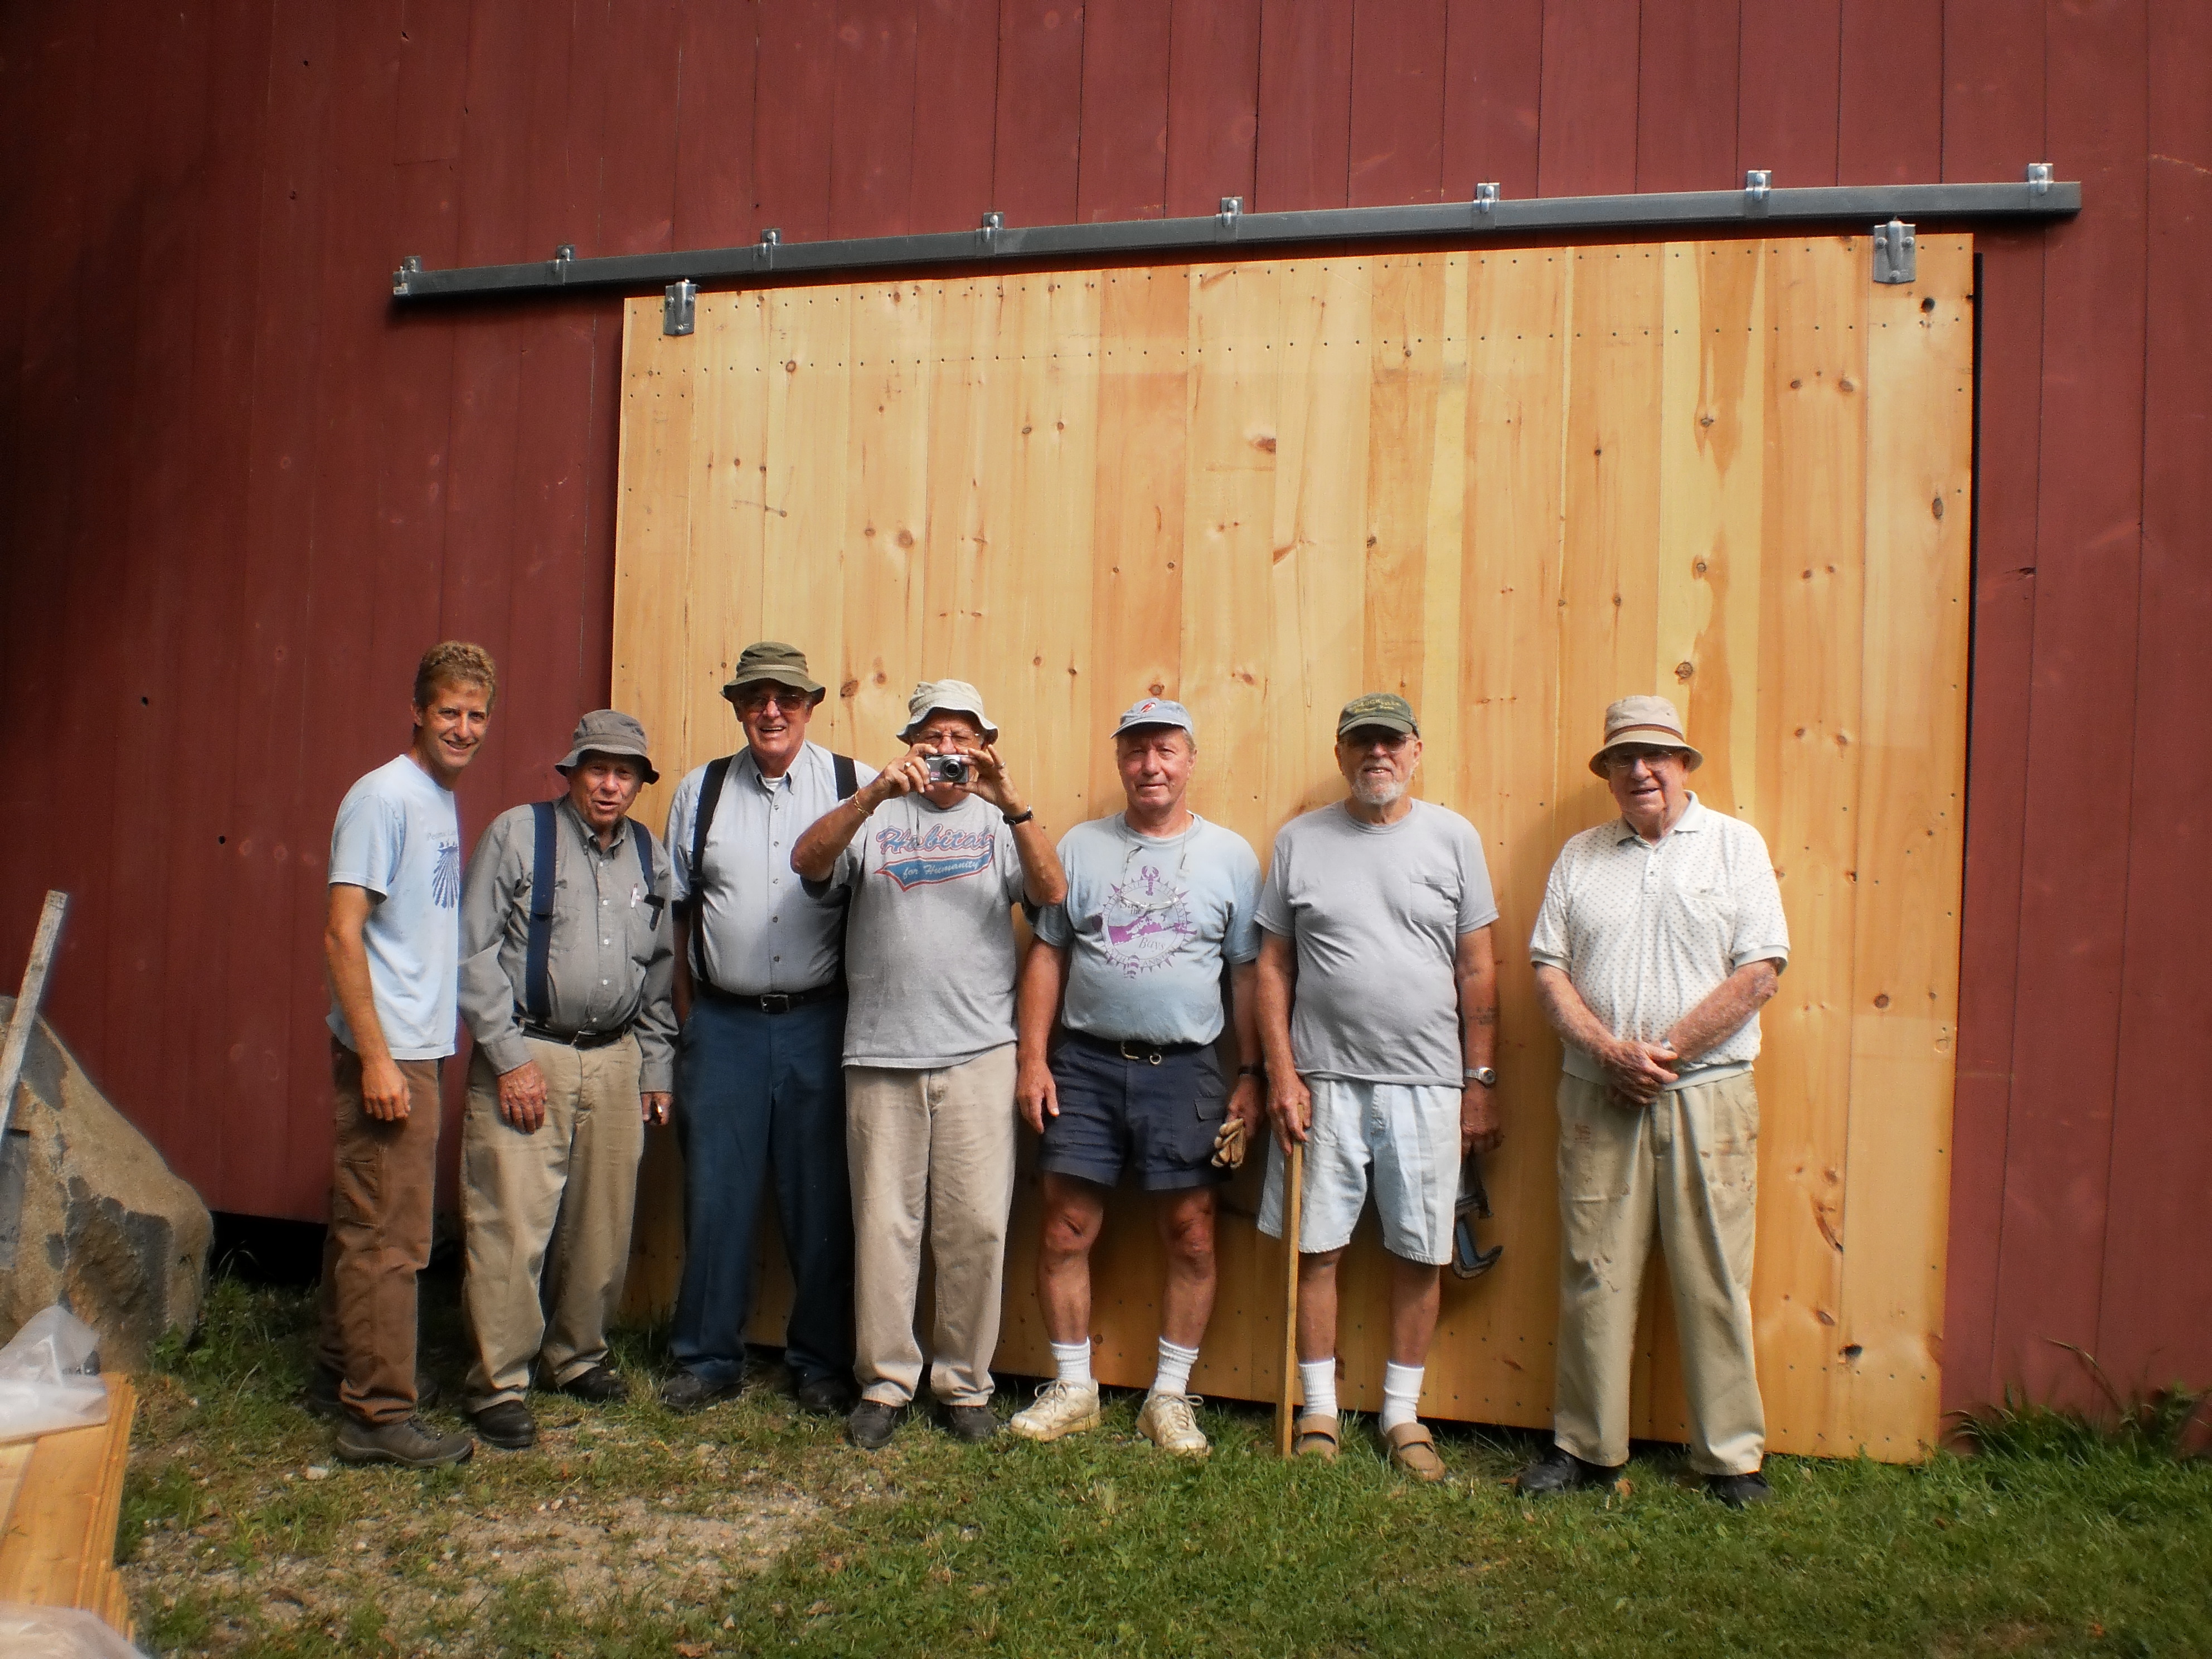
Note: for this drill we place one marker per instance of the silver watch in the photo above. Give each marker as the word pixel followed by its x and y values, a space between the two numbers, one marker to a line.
pixel 1485 1075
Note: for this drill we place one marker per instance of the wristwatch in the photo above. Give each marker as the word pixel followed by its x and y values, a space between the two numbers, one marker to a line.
pixel 1485 1075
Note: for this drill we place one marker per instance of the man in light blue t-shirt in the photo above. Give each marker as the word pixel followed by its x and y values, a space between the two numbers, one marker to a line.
pixel 1159 900
pixel 392 943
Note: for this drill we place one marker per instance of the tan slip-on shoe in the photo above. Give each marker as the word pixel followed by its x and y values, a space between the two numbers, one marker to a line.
pixel 1413 1449
pixel 1316 1436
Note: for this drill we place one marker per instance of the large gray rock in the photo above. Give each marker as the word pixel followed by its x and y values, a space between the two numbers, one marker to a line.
pixel 90 1215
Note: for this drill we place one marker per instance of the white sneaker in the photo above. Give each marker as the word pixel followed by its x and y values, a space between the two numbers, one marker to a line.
pixel 1062 1408
pixel 1170 1423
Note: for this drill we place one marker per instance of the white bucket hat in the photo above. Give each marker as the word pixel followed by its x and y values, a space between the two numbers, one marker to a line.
pixel 953 697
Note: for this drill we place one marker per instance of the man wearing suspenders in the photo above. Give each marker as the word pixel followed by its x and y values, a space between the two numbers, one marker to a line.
pixel 567 961
pixel 761 990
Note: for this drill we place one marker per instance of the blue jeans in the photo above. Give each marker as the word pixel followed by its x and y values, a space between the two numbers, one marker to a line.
pixel 752 1091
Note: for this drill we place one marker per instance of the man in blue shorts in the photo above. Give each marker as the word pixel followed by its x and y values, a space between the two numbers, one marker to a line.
pixel 1157 899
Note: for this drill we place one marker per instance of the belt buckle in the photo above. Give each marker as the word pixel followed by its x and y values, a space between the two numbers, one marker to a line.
pixel 777 1002
pixel 1150 1056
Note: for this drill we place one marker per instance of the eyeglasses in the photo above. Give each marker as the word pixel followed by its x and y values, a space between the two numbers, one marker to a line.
pixel 1627 759
pixel 782 696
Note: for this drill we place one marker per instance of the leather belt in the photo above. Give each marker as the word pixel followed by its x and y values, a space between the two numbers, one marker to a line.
pixel 1135 1049
pixel 574 1039
pixel 774 1002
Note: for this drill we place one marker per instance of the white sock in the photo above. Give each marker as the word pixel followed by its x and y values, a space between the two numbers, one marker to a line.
pixel 1402 1394
pixel 1073 1359
pixel 1173 1376
pixel 1318 1377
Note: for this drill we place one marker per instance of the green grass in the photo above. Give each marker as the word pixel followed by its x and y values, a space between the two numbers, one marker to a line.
pixel 2053 1540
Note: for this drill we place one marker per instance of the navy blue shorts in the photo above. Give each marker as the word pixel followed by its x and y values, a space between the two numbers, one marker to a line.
pixel 1156 1113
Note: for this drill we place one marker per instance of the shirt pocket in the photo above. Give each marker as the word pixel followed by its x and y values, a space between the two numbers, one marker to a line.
pixel 1431 898
pixel 1704 911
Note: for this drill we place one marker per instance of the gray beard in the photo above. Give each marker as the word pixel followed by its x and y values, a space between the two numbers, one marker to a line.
pixel 1377 794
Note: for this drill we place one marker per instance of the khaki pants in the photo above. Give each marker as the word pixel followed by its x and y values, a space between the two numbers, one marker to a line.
pixel 383 1178
pixel 578 1169
pixel 1687 1164
pixel 939 1144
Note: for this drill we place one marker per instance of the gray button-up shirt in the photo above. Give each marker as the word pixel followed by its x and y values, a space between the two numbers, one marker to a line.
pixel 612 961
pixel 759 931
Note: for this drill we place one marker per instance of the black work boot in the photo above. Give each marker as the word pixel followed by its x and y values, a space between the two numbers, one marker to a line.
pixel 872 1424
pixel 688 1391
pixel 1740 1491
pixel 1559 1470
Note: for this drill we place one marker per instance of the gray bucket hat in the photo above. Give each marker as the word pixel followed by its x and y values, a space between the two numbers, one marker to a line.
pixel 954 697
pixel 1645 723
pixel 772 660
pixel 607 732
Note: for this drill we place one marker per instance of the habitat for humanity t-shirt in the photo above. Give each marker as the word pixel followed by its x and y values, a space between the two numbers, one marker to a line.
pixel 399 835
pixel 1376 911
pixel 1147 924
pixel 929 943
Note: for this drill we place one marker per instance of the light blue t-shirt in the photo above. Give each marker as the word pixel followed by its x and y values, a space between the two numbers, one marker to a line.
pixel 1147 924
pixel 399 835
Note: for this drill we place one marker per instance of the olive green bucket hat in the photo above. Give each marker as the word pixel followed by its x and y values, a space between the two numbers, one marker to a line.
pixel 767 660
pixel 607 732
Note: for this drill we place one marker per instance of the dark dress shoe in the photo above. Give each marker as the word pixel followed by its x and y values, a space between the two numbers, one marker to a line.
pixel 1740 1491
pixel 602 1385
pixel 321 1398
pixel 688 1391
pixel 1559 1470
pixel 506 1424
pixel 972 1424
pixel 872 1424
pixel 828 1396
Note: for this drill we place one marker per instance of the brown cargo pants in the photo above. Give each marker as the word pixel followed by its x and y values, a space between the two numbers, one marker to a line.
pixel 383 1178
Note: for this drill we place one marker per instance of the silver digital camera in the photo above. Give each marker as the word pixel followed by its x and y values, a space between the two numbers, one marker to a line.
pixel 949 768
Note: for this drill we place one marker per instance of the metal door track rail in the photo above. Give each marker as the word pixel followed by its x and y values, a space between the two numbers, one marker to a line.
pixel 2039 196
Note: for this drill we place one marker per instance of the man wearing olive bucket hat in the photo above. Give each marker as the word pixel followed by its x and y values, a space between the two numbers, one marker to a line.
pixel 1660 936
pixel 565 967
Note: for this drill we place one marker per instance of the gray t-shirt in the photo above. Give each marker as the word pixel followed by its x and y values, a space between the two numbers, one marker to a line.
pixel 1377 912
pixel 399 835
pixel 1147 924
pixel 929 947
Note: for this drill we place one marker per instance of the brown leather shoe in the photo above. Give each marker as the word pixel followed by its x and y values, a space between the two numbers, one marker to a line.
pixel 406 1443
pixel 1413 1451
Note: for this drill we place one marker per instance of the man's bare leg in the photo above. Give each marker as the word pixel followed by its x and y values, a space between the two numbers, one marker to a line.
pixel 1317 1305
pixel 1073 1209
pixel 1185 1223
pixel 1416 1294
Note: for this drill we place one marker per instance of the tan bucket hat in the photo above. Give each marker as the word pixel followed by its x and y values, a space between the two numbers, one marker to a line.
pixel 954 697
pixel 772 660
pixel 1644 722
pixel 607 732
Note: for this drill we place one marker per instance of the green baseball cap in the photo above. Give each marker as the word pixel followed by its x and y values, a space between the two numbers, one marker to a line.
pixel 1384 708
pixel 772 660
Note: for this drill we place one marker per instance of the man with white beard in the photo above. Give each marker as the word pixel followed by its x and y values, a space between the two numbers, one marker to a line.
pixel 1378 996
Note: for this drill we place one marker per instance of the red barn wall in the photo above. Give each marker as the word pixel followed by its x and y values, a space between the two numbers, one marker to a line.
pixel 238 491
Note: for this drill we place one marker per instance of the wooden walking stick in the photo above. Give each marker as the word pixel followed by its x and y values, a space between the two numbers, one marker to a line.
pixel 1293 1188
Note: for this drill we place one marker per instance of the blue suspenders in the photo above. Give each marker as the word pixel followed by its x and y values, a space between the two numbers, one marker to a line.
pixel 537 991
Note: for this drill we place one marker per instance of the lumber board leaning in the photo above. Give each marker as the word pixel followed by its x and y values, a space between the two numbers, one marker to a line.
pixel 60 1538
pixel 25 1016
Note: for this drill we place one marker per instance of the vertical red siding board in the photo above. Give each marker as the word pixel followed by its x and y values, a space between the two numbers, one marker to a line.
pixel 714 126
pixel 2161 1144
pixel 1494 79
pixel 1213 104
pixel 173 152
pixel 353 698
pixel 1035 152
pixel 792 133
pixel 2008 478
pixel 1305 158
pixel 269 642
pixel 1787 104
pixel 1890 130
pixel 1587 143
pixel 1123 169
pixel 1397 127
pixel 1687 97
pixel 640 58
pixel 434 61
pixel 2076 852
pixel 1993 118
pixel 1993 90
pixel 872 131
pixel 956 101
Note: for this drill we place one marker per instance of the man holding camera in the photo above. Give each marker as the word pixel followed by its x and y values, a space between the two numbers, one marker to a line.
pixel 1157 900
pixel 934 854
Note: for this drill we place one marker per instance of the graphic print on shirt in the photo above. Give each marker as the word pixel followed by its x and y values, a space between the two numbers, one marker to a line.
pixel 1147 918
pixel 446 876
pixel 940 854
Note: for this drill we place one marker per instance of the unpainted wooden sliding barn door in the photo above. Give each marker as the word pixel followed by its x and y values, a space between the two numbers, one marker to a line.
pixel 1512 484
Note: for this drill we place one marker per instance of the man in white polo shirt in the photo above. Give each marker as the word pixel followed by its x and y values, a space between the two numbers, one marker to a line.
pixel 1378 1006
pixel 1661 935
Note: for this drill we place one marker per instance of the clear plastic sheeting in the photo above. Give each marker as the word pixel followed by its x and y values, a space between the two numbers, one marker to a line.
pixel 50 1380
pixel 29 1632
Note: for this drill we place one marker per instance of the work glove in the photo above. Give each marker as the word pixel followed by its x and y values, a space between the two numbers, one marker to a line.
pixel 1229 1144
